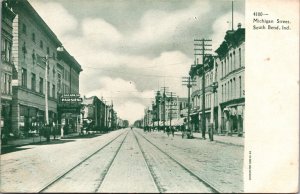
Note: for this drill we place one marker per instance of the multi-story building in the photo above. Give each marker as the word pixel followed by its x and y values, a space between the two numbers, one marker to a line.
pixel 7 67
pixel 94 111
pixel 40 69
pixel 231 87
pixel 67 74
pixel 209 72
pixel 167 109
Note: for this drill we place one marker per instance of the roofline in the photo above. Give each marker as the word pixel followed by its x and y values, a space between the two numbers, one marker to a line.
pixel 66 56
pixel 25 4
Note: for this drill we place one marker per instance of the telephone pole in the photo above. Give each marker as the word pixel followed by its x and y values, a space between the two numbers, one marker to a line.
pixel 203 48
pixel 171 108
pixel 186 81
pixel 164 107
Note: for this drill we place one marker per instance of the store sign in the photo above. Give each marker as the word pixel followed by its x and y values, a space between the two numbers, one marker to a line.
pixel 71 95
pixel 70 98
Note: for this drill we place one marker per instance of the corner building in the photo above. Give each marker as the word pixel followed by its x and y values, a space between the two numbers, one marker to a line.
pixel 34 46
pixel 231 86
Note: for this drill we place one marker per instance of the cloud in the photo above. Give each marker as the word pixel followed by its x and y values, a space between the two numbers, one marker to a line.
pixel 100 32
pixel 157 25
pixel 128 101
pixel 56 16
pixel 130 111
pixel 127 66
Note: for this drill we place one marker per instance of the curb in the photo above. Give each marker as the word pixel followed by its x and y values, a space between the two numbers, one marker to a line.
pixel 218 141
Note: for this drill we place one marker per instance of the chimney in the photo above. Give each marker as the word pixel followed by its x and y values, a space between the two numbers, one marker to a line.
pixel 239 25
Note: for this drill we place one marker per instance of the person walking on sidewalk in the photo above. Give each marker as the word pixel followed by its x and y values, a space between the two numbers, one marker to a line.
pixel 173 130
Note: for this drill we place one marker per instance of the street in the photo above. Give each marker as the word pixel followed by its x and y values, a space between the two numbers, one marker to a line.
pixel 124 161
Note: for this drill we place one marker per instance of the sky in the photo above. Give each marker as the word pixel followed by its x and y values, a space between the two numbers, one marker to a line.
pixel 128 49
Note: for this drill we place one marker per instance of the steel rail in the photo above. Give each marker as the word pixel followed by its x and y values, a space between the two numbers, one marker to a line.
pixel 206 183
pixel 109 165
pixel 161 190
pixel 77 165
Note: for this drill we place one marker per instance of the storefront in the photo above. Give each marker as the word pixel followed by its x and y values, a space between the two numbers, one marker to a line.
pixel 33 119
pixel 5 121
pixel 233 119
pixel 69 113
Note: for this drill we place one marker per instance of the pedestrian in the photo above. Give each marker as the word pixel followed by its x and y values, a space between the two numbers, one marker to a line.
pixel 54 129
pixel 173 130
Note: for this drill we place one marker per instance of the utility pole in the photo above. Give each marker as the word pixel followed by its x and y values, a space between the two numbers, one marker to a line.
pixel 164 107
pixel 186 81
pixel 158 99
pixel 203 48
pixel 171 108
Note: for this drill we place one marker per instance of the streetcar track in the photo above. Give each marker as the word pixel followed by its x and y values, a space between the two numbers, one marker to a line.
pixel 80 163
pixel 205 182
pixel 109 165
pixel 161 190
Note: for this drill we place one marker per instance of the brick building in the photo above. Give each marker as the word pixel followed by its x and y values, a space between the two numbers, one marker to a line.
pixel 7 67
pixel 40 70
pixel 231 89
pixel 210 76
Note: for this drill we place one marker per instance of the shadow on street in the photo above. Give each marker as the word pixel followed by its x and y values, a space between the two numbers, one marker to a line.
pixel 83 136
pixel 15 148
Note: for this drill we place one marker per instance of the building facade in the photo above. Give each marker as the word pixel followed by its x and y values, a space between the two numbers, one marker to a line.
pixel 98 115
pixel 67 74
pixel 7 67
pixel 211 101
pixel 43 73
pixel 231 96
pixel 34 54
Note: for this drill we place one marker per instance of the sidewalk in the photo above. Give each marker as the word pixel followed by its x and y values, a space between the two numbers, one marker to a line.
pixel 33 140
pixel 230 140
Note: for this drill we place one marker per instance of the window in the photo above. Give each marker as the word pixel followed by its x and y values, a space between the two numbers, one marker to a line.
pixel 240 57
pixel 24 29
pixel 225 92
pixel 6 50
pixel 233 58
pixel 225 67
pixel 9 84
pixel 5 84
pixel 240 85
pixel 33 82
pixel 48 51
pixel 234 88
pixel 222 69
pixel 33 37
pixel 58 82
pixel 222 94
pixel 41 85
pixel 24 77
pixel 41 44
pixel 53 91
pixel 231 89
pixel 228 91
pixel 48 89
pixel 230 62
